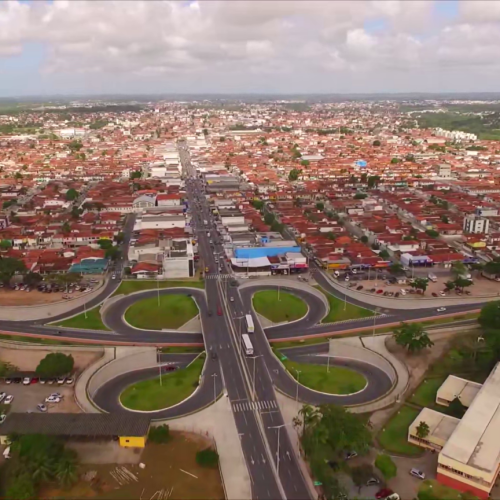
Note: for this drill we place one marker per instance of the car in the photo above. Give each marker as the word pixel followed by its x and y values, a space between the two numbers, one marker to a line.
pixel 3 416
pixel 372 481
pixel 52 399
pixel 372 290
pixel 41 407
pixel 26 381
pixel 219 310
pixel 231 299
pixel 209 312
pixel 61 380
pixel 441 309
pixel 346 278
pixel 380 291
pixel 50 381
pixel 70 381
pixel 351 454
pixel 417 473
pixel 442 293
pixel 354 271
pixel 170 368
pixel 434 294
pixel 394 496
pixel 112 277
pixel 2 396
pixel 213 355
pixel 43 381
pixel 383 493
pixel 8 399
pixel 360 287
pixel 8 381
pixel 396 294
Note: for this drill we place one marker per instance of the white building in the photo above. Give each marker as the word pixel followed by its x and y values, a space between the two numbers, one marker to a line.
pixel 476 224
pixel 178 259
pixel 159 221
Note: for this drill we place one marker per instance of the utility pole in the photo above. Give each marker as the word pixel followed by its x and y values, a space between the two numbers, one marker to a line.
pixel 328 363
pixel 279 293
pixel 297 387
pixel 85 309
pixel 159 365
pixel 158 289
pixel 214 375
pixel 278 449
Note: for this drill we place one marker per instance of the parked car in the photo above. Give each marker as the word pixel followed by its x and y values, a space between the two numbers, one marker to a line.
pixel 351 454
pixel 434 294
pixel 396 294
pixel 394 496
pixel 8 399
pixel 441 309
pixel 372 290
pixel 372 481
pixel 26 381
pixel 2 396
pixel 41 407
pixel 61 380
pixel 70 381
pixel 213 355
pixel 383 493
pixel 2 418
pixel 417 473
pixel 52 399
pixel 360 287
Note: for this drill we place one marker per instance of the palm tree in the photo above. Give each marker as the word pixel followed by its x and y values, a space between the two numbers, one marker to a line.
pixel 40 467
pixel 66 469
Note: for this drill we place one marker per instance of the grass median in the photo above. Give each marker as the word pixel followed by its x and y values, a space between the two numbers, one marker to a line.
pixel 340 310
pixel 394 436
pixel 337 380
pixel 279 307
pixel 93 321
pixel 149 395
pixel 131 286
pixel 172 312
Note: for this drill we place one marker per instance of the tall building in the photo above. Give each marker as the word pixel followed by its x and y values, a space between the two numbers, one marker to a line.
pixel 476 224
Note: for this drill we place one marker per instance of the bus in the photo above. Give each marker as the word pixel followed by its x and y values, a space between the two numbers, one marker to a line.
pixel 247 345
pixel 249 322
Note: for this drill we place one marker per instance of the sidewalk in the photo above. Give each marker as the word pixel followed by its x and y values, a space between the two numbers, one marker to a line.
pixel 217 422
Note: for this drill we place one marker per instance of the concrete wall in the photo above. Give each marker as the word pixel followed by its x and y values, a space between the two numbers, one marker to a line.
pixel 353 348
pixel 46 311
pixel 126 359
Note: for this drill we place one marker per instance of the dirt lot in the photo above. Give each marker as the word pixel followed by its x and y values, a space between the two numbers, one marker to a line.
pixel 27 360
pixel 169 468
pixel 26 397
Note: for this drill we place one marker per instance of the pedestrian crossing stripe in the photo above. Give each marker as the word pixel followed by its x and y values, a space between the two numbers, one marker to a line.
pixel 255 405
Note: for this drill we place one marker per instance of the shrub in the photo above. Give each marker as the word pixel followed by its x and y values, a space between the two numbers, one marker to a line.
pixel 159 434
pixel 386 466
pixel 207 458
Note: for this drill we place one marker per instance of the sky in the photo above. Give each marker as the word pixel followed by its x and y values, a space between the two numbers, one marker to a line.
pixel 72 47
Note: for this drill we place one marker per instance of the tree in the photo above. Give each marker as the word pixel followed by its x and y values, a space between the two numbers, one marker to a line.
pixel 462 283
pixel 269 219
pixel 320 206
pixel 360 196
pixel 127 270
pixel 104 243
pixel 449 285
pixel 394 161
pixel 305 163
pixel 384 254
pixel 76 212
pixel 159 434
pixel 458 268
pixel 8 267
pixel 432 233
pixel 75 146
pixel 55 364
pixel 492 268
pixel 18 175
pixel 361 474
pixel 119 237
pixel 373 181
pixel 112 253
pixel 205 132
pixel 258 204
pixel 207 458
pixel 71 194
pixel 386 466
pixel 5 244
pixel 423 430
pixel 136 174
pixel 412 336
pixel 22 487
pixel 376 143
pixel 331 235
pixel 66 228
pixel 32 279
pixel 395 268
pixel 445 219
pixel 364 239
pixel 420 284
pixel 294 174
pixel 489 317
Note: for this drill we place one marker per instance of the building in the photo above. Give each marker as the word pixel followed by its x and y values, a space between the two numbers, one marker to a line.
pixel 130 429
pixel 178 259
pixel 457 388
pixel 476 224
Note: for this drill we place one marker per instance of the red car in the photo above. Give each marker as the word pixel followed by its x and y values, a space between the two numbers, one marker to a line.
pixel 219 310
pixel 380 291
pixel 383 493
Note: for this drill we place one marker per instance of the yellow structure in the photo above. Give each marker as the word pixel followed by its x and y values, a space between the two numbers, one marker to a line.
pixel 132 441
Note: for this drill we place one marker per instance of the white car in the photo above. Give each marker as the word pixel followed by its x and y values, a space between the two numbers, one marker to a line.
pixel 394 496
pixel 8 399
pixel 70 381
pixel 417 473
pixel 52 399
pixel 26 381
pixel 61 380
pixel 2 396
pixel 57 395
pixel 231 299
pixel 2 418
pixel 441 309
pixel 41 407
pixel 113 277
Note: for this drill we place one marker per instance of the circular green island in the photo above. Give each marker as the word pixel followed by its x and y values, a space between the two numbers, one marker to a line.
pixel 279 307
pixel 172 312
pixel 337 380
pixel 176 386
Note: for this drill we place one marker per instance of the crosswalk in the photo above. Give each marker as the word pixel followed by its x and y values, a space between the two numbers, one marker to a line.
pixel 255 405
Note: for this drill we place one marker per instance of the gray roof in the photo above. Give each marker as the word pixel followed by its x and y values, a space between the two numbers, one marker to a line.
pixel 77 424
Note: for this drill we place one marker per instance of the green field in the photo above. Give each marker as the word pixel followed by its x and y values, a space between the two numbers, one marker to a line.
pixel 340 311
pixel 432 490
pixel 131 286
pixel 93 321
pixel 425 394
pixel 173 312
pixel 288 308
pixel 149 395
pixel 394 436
pixel 337 380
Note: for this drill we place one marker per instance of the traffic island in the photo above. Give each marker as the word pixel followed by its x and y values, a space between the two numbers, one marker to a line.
pixel 162 312
pixel 331 380
pixel 278 306
pixel 175 387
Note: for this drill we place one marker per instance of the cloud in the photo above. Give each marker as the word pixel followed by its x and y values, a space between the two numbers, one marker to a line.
pixel 305 45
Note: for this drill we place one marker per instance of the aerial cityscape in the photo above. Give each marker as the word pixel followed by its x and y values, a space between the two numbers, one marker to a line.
pixel 249 250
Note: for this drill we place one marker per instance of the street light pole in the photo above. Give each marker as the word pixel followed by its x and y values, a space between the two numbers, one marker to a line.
pixel 278 449
pixel 297 388
pixel 85 310
pixel 158 289
pixel 214 375
pixel 328 363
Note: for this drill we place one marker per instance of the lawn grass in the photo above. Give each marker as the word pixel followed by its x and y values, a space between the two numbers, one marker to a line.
pixel 299 343
pixel 173 312
pixel 93 321
pixel 430 489
pixel 130 286
pixel 149 395
pixel 394 436
pixel 338 380
pixel 425 394
pixel 181 349
pixel 340 311
pixel 289 307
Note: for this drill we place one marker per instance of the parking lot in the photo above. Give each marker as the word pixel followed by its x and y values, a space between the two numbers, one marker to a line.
pixel 27 397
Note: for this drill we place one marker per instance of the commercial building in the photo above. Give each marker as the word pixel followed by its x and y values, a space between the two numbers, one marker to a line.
pixel 130 429
pixel 476 224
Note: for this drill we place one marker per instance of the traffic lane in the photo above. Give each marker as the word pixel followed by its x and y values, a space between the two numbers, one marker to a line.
pixel 179 358
pixel 316 307
pixel 113 317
